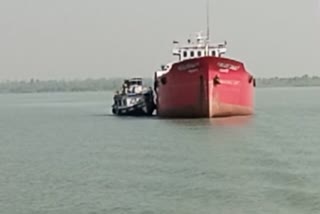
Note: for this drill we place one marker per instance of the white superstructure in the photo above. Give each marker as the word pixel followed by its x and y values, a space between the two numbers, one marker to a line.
pixel 198 47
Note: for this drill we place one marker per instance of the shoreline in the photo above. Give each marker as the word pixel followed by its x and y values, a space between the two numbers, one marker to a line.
pixel 113 84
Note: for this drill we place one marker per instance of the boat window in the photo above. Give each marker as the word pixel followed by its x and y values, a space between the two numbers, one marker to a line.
pixel 199 53
pixel 191 53
pixel 185 54
pixel 213 53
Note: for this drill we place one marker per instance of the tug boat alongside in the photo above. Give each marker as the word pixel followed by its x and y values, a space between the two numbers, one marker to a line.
pixel 203 83
pixel 135 99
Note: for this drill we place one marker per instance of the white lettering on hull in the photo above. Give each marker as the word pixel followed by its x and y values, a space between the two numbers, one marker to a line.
pixel 224 70
pixel 230 82
pixel 225 67
pixel 189 66
pixel 193 70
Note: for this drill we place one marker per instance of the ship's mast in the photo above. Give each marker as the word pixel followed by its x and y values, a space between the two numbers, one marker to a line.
pixel 208 28
pixel 208 20
pixel 201 46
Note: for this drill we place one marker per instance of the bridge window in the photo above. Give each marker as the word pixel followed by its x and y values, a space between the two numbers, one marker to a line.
pixel 185 53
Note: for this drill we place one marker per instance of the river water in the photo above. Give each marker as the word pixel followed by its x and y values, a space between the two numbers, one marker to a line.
pixel 66 153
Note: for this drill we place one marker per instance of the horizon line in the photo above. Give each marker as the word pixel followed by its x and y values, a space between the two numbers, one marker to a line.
pixel 125 77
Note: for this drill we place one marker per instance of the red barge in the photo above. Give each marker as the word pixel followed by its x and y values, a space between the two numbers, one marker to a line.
pixel 203 84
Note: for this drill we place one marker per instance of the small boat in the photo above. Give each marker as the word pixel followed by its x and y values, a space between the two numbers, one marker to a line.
pixel 135 99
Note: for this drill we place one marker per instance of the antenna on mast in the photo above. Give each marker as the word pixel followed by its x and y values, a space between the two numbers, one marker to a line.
pixel 208 20
pixel 208 31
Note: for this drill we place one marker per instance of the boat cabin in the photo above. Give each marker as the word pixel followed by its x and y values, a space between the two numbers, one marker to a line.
pixel 133 81
pixel 132 86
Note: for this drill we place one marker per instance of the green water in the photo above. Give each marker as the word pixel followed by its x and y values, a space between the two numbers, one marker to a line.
pixel 65 153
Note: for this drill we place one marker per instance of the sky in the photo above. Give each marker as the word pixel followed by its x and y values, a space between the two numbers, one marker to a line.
pixel 77 39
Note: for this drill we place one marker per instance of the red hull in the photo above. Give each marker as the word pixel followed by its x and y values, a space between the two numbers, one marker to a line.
pixel 205 87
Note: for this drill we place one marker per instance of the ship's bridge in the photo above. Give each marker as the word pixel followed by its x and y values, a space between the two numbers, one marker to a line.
pixel 198 48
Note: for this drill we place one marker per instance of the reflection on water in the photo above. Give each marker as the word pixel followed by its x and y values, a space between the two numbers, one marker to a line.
pixel 232 121
pixel 221 121
pixel 65 153
pixel 213 122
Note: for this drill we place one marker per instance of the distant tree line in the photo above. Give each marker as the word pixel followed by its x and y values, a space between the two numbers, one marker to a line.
pixel 303 81
pixel 103 84
pixel 37 86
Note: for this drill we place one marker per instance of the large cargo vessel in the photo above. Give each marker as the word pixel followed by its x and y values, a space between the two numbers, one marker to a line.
pixel 203 83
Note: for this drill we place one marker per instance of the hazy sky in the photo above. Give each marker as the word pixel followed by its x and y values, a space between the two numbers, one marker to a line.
pixel 56 39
